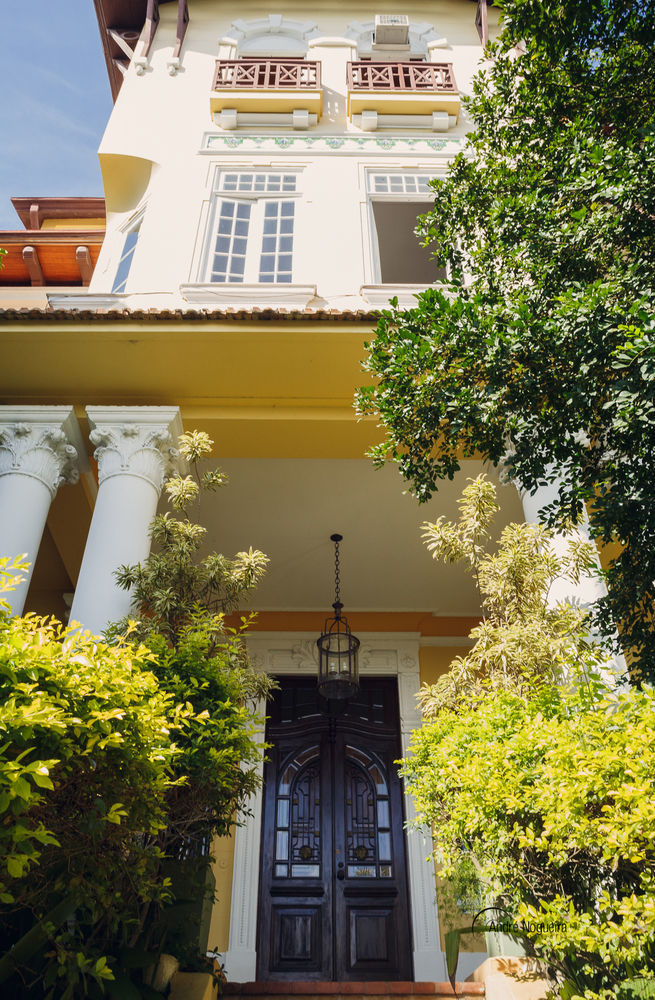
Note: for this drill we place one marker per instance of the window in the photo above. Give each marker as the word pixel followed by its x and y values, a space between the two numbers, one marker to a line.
pixel 253 229
pixel 124 264
pixel 396 200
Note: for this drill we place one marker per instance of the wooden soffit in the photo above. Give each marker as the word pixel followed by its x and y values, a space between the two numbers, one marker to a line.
pixel 121 23
pixel 49 257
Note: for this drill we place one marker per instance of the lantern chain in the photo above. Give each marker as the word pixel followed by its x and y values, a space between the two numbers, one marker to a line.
pixel 337 580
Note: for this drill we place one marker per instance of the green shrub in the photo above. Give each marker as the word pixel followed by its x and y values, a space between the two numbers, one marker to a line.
pixel 535 769
pixel 86 756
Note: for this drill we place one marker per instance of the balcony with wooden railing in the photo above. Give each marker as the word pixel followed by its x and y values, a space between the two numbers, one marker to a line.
pixel 402 88
pixel 266 86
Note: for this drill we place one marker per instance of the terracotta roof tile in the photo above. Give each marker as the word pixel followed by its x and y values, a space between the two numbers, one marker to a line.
pixel 187 315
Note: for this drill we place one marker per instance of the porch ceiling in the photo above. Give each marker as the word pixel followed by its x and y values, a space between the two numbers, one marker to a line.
pixel 289 507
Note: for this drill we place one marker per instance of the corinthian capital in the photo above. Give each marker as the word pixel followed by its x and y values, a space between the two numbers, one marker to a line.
pixel 136 441
pixel 42 442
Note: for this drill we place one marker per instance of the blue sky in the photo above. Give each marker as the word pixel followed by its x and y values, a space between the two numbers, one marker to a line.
pixel 54 101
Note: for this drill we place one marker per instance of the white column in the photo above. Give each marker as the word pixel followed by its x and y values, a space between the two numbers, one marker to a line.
pixel 428 958
pixel 240 959
pixel 135 450
pixel 40 448
pixel 589 589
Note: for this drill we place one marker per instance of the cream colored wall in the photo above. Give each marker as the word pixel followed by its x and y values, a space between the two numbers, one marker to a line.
pixel 161 119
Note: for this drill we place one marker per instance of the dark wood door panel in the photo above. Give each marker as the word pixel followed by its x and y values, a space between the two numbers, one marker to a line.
pixel 296 940
pixel 333 888
pixel 371 942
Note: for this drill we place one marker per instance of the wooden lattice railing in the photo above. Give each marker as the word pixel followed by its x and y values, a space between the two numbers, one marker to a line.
pixel 267 74
pixel 401 76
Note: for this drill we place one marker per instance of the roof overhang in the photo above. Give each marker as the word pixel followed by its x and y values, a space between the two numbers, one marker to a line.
pixel 121 16
pixel 121 23
pixel 33 211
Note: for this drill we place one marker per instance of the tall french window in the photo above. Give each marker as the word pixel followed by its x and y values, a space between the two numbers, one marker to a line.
pixel 253 228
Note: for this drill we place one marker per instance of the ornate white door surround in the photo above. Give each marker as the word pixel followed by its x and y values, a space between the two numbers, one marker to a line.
pixel 135 450
pixel 41 448
pixel 381 655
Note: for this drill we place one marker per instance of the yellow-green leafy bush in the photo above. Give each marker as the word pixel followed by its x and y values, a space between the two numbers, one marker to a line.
pixel 535 769
pixel 86 754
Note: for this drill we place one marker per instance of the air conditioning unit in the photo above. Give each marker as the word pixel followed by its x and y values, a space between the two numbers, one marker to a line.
pixel 391 29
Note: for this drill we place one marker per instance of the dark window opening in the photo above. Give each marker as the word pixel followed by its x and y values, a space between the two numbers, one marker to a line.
pixel 403 261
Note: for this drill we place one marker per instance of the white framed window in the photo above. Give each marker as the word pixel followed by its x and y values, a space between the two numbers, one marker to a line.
pixel 252 228
pixel 125 262
pixel 395 201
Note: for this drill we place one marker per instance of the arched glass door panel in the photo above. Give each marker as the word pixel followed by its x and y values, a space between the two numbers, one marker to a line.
pixel 367 816
pixel 298 817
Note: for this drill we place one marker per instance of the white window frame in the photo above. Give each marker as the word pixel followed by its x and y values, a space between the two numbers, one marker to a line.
pixel 257 200
pixel 404 195
pixel 133 226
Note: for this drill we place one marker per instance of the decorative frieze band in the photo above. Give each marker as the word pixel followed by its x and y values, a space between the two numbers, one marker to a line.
pixel 345 143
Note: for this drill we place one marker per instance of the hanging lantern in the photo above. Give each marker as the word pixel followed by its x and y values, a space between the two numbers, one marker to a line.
pixel 338 648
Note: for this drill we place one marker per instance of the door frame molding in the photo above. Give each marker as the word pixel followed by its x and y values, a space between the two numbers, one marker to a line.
pixel 382 654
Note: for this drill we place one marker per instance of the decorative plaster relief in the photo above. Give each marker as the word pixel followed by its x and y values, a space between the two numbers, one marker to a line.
pixel 304 657
pixel 41 450
pixel 367 144
pixel 275 24
pixel 420 36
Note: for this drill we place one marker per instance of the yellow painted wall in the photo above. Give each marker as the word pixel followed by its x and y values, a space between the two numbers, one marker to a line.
pixel 434 661
pixel 73 224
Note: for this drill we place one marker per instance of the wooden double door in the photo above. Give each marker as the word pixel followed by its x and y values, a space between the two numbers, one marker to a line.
pixel 333 882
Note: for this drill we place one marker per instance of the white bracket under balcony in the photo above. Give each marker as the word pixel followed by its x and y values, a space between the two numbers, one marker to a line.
pixel 372 121
pixel 230 119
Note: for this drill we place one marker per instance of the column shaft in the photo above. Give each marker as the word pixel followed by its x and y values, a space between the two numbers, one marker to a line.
pixel 114 540
pixel 40 448
pixel 27 501
pixel 590 588
pixel 135 452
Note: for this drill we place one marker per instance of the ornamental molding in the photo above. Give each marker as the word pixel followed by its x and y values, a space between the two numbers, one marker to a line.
pixel 387 654
pixel 136 441
pixel 346 144
pixel 38 442
pixel 380 654
pixel 422 38
pixel 275 24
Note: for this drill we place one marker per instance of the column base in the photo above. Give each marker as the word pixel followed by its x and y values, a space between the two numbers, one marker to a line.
pixel 241 965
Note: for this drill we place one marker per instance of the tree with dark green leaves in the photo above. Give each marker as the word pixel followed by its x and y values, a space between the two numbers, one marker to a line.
pixel 539 352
